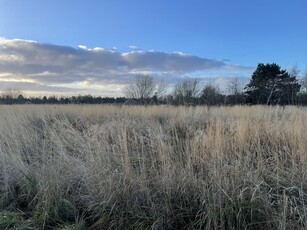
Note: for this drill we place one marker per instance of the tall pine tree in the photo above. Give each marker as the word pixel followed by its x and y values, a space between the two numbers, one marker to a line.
pixel 272 85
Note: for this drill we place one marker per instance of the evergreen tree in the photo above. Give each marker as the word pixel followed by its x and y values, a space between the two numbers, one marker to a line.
pixel 272 85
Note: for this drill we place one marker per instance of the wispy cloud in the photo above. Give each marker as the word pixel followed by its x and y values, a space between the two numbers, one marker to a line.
pixel 133 47
pixel 46 67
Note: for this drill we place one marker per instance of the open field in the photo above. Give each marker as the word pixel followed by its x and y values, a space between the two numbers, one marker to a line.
pixel 158 167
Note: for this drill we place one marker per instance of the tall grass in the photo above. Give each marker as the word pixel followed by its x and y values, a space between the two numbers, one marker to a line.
pixel 111 167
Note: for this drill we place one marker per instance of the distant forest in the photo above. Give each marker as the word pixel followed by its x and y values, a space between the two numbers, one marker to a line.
pixel 269 85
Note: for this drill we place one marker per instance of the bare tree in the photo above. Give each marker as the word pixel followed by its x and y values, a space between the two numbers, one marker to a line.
pixel 144 87
pixel 211 95
pixel 160 88
pixel 235 89
pixel 235 86
pixel 11 93
pixel 294 71
pixel 304 82
pixel 186 91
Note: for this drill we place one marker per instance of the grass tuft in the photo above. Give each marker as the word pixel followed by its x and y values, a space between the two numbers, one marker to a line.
pixel 159 167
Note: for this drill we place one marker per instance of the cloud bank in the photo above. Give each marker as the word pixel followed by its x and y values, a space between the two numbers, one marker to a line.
pixel 55 68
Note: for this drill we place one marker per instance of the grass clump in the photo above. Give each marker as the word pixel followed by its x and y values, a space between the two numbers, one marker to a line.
pixel 159 167
pixel 15 220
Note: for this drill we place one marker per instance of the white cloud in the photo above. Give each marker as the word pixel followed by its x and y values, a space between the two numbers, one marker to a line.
pixel 82 47
pixel 50 66
pixel 98 49
pixel 133 47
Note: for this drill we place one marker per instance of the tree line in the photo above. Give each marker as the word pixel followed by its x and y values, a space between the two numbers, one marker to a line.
pixel 269 85
pixel 13 96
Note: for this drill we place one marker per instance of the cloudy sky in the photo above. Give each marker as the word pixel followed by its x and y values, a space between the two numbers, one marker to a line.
pixel 96 46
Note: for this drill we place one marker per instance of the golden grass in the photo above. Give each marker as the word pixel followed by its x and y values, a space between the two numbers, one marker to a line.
pixel 158 167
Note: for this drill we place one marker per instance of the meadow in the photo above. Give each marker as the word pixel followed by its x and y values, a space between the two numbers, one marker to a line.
pixel 156 167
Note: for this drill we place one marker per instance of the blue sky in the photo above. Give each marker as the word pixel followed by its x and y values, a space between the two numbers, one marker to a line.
pixel 238 34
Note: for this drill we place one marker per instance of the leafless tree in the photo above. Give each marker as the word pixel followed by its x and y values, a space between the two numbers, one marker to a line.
pixel 11 93
pixel 304 82
pixel 160 88
pixel 186 91
pixel 211 95
pixel 144 87
pixel 294 71
pixel 235 86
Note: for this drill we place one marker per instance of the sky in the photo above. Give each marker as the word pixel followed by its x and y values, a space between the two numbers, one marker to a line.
pixel 70 47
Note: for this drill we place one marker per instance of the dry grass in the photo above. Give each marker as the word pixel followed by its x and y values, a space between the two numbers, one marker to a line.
pixel 111 167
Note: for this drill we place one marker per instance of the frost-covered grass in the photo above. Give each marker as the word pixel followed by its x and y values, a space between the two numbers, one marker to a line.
pixel 111 167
